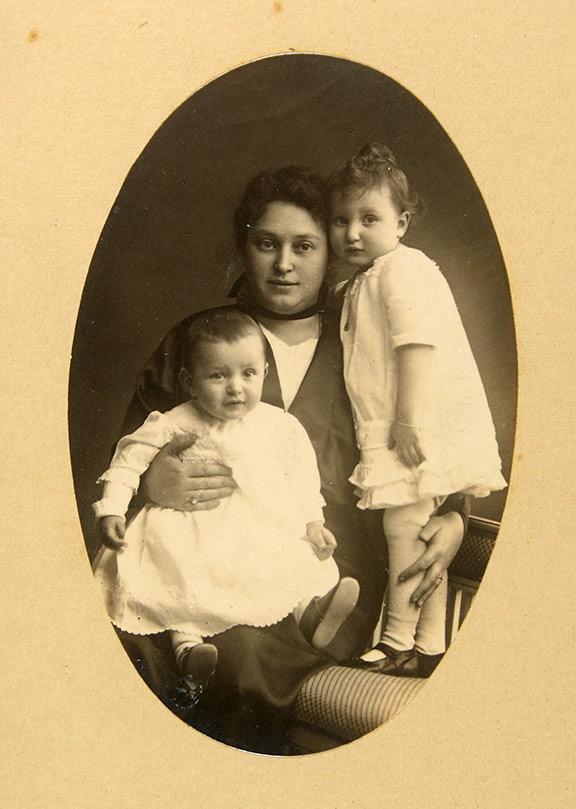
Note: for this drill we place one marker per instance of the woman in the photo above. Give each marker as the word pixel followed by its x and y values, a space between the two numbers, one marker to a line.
pixel 281 232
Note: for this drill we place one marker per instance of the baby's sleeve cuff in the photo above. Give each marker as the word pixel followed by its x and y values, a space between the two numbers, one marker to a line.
pixel 115 500
pixel 314 512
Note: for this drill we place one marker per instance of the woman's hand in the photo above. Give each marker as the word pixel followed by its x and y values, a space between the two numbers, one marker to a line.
pixel 405 440
pixel 171 482
pixel 443 536
pixel 112 530
pixel 321 539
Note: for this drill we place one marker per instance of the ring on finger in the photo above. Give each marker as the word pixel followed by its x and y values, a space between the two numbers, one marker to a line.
pixel 439 581
pixel 190 499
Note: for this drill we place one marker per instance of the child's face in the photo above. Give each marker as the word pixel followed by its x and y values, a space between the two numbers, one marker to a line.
pixel 227 378
pixel 365 225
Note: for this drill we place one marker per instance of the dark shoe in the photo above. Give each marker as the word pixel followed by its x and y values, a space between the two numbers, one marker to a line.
pixel 371 665
pixel 400 663
pixel 428 663
pixel 394 663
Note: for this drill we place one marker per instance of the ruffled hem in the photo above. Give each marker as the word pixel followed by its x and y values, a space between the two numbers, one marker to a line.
pixel 135 616
pixel 420 483
pixel 191 629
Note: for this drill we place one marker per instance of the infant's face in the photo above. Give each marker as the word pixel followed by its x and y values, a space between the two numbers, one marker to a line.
pixel 365 225
pixel 227 378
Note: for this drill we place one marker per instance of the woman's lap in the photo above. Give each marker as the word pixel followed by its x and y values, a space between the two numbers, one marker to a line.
pixel 261 670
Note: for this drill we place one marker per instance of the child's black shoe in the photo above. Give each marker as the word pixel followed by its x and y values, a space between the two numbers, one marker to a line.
pixel 427 663
pixel 400 663
pixel 396 663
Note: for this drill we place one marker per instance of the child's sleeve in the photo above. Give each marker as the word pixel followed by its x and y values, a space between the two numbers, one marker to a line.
pixel 302 472
pixel 134 454
pixel 412 293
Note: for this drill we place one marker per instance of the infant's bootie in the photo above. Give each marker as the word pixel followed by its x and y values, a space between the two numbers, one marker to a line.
pixel 198 664
pixel 324 616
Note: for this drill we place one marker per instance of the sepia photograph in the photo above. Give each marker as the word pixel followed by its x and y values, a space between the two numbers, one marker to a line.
pixel 288 383
pixel 292 404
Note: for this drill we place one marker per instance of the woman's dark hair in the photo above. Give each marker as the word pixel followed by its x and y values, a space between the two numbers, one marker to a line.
pixel 219 325
pixel 374 165
pixel 293 184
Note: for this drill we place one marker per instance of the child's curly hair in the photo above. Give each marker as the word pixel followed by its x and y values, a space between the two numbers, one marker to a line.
pixel 372 166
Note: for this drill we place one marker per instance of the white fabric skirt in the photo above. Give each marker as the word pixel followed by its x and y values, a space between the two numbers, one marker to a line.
pixel 204 572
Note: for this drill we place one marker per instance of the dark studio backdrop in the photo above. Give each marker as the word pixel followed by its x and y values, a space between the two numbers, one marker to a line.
pixel 166 249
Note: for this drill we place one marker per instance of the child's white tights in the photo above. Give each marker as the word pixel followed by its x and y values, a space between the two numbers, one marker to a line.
pixel 406 624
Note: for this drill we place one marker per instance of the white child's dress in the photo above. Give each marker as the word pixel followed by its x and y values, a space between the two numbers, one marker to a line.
pixel 245 562
pixel 404 299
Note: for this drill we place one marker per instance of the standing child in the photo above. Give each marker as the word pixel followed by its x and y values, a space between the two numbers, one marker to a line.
pixel 262 554
pixel 422 421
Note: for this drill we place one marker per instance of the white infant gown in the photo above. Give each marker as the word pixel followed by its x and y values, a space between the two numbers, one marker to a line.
pixel 245 562
pixel 404 299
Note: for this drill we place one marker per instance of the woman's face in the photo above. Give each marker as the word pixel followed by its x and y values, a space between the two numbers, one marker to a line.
pixel 286 256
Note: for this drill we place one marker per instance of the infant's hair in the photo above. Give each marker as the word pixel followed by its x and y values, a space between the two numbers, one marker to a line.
pixel 222 325
pixel 293 184
pixel 372 166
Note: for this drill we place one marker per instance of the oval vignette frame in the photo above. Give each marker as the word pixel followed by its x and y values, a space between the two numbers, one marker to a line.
pixel 166 251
